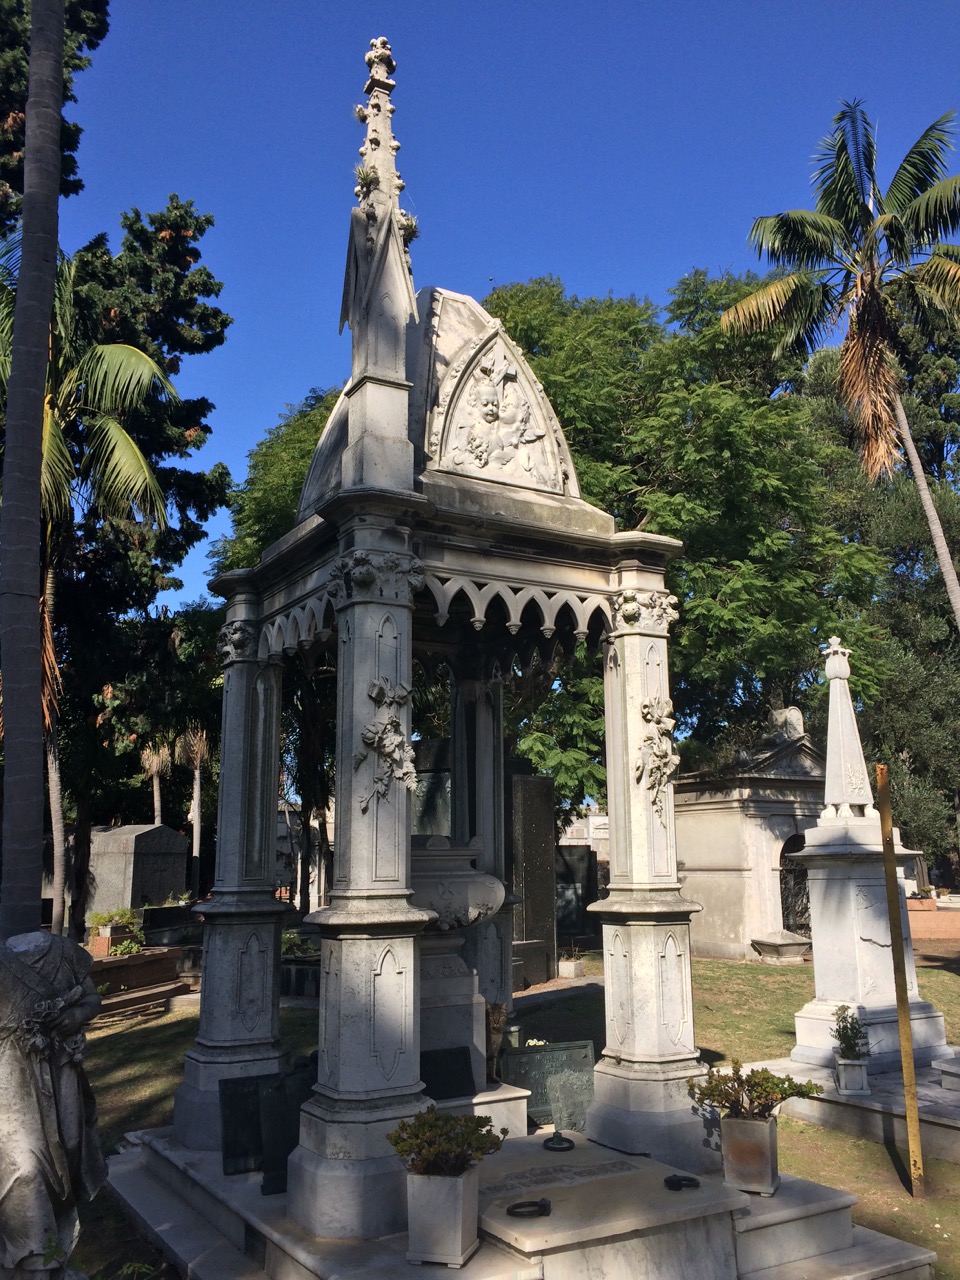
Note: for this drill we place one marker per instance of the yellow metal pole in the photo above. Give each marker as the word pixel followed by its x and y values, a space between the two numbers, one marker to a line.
pixel 900 981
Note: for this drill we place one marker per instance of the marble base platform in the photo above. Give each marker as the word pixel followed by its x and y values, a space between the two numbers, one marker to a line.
pixel 612 1218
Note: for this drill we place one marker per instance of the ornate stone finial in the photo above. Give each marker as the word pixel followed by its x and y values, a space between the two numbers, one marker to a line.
pixel 847 793
pixel 378 183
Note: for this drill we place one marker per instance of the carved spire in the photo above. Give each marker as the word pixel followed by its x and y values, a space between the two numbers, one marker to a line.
pixel 847 792
pixel 378 183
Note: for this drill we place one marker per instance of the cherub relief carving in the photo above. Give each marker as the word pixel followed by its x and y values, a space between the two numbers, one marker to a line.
pixel 494 433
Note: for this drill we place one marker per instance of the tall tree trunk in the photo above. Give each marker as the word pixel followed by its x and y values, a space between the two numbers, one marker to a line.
pixel 306 856
pixel 55 792
pixel 195 815
pixel 51 688
pixel 79 891
pixel 944 558
pixel 22 872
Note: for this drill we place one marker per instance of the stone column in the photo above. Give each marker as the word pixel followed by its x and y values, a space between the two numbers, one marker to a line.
pixel 344 1177
pixel 240 995
pixel 640 1100
pixel 478 734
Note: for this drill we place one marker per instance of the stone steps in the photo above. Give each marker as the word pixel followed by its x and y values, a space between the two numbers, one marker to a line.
pixel 238 1249
pixel 193 1246
pixel 155 999
pixel 806 1232
pixel 870 1257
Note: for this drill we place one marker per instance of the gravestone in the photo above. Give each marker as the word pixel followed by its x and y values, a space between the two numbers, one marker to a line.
pixel 531 831
pixel 260 1121
pixel 447 1073
pixel 576 879
pixel 240 1123
pixel 532 1069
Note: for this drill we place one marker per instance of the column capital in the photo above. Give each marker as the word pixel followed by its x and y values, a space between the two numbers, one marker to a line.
pixel 362 576
pixel 238 641
pixel 644 612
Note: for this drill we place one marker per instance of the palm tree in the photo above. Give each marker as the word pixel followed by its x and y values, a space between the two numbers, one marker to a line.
pixel 87 459
pixel 156 764
pixel 20 575
pixel 193 750
pixel 839 261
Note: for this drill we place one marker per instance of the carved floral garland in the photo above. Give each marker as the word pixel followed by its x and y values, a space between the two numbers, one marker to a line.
pixel 386 739
pixel 659 758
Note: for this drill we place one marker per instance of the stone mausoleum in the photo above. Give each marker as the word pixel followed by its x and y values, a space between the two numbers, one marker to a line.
pixel 440 527
pixel 440 523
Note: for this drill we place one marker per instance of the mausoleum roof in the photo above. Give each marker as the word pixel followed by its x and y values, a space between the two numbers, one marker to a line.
pixel 485 440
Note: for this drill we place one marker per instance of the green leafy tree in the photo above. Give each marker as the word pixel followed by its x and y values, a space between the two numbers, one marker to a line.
pixel 839 262
pixel 89 459
pixel 85 28
pixel 263 508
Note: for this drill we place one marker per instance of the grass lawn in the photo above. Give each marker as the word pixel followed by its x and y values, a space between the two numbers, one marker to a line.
pixel 742 1010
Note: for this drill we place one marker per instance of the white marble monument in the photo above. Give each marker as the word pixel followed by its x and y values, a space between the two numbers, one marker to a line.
pixel 843 855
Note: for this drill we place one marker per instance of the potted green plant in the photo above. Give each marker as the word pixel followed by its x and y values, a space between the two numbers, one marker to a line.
pixel 113 929
pixel 853 1049
pixel 442 1152
pixel 748 1106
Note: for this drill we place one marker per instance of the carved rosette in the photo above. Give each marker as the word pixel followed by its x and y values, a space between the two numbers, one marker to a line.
pixel 385 737
pixel 370 575
pixel 659 758
pixel 647 611
pixel 238 642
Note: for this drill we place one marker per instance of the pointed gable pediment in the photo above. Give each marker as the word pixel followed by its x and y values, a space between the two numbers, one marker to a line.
pixel 491 419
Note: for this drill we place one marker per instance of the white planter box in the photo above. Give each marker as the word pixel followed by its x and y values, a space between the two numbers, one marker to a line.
pixel 852 1078
pixel 571 968
pixel 442 1218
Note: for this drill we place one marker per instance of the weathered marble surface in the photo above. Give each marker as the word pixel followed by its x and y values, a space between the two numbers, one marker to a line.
pixel 49 1150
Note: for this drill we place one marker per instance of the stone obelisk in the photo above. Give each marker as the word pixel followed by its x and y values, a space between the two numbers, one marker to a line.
pixel 843 855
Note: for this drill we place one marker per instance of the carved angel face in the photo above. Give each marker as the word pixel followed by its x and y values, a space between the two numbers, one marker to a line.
pixel 488 403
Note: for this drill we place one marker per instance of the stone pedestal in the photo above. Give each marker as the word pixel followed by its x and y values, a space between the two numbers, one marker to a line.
pixel 852 947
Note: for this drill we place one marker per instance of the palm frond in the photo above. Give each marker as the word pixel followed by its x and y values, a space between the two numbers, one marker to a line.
pixel 922 167
pixel 764 308
pixel 116 377
pixel 7 303
pixel 898 240
pixel 934 213
pixel 801 238
pixel 119 475
pixel 56 467
pixel 940 276
pixel 844 168
pixel 799 307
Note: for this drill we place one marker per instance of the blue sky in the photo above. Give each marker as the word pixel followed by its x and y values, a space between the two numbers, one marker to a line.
pixel 616 144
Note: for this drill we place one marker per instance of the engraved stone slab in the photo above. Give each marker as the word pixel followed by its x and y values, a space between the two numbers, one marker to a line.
pixel 570 1094
pixel 532 1068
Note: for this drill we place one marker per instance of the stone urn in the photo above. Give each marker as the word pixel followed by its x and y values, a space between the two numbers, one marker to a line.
pixel 749 1149
pixel 445 880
